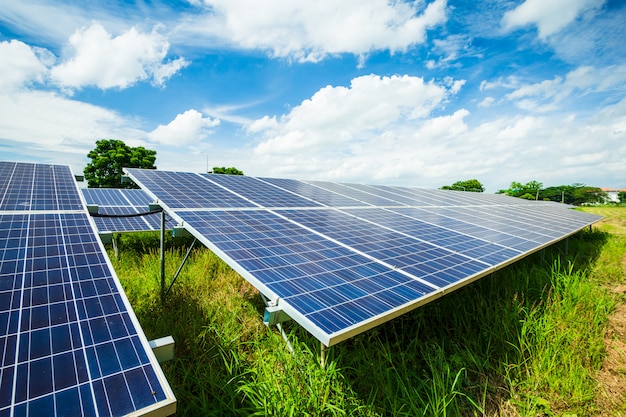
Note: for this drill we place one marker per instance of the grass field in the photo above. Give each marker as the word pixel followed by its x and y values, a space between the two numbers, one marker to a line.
pixel 530 340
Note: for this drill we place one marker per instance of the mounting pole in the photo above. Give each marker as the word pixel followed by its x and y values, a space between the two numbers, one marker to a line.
pixel 116 245
pixel 322 355
pixel 162 253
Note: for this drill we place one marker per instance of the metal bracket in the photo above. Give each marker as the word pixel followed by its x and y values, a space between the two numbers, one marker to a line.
pixel 180 231
pixel 163 348
pixel 274 315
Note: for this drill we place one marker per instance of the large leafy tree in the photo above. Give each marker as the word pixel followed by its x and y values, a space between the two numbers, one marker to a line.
pixel 109 157
pixel 467 185
pixel 224 170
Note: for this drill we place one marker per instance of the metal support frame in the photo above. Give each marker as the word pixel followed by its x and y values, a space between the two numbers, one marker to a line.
pixel 162 254
pixel 180 268
pixel 323 349
pixel 275 316
pixel 115 240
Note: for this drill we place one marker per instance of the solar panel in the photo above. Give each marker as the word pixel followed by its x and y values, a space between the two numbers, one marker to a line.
pixel 70 343
pixel 114 201
pixel 342 258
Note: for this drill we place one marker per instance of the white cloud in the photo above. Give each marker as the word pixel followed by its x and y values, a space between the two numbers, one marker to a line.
pixel 547 95
pixel 550 16
pixel 378 141
pixel 309 30
pixel 339 115
pixel 21 65
pixel 487 102
pixel 188 127
pixel 105 61
pixel 52 127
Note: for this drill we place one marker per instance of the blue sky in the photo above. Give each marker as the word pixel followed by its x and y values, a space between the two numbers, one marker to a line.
pixel 420 93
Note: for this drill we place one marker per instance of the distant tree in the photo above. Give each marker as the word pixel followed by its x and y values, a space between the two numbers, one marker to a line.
pixel 517 189
pixel 589 195
pixel 575 194
pixel 224 170
pixel 622 196
pixel 467 185
pixel 109 157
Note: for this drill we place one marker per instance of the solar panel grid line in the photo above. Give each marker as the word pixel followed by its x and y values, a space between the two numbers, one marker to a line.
pixel 325 197
pixel 262 193
pixel 391 193
pixel 48 254
pixel 410 235
pixel 404 263
pixel 355 250
pixel 538 233
pixel 310 326
pixel 456 230
pixel 483 223
pixel 525 227
pixel 317 270
pixel 82 336
pixel 189 190
pixel 347 191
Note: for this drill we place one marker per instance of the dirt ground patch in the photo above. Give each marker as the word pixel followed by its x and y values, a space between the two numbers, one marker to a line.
pixel 611 398
pixel 612 376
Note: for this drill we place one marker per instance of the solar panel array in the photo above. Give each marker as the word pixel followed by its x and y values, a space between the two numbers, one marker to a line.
pixel 343 258
pixel 116 201
pixel 70 344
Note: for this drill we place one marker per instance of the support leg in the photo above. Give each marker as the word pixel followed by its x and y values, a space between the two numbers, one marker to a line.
pixel 322 355
pixel 162 254
pixel 116 245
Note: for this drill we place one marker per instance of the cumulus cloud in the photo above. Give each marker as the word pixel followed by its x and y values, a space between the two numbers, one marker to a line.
pixel 309 30
pixel 550 16
pixel 102 60
pixel 381 127
pixel 188 127
pixel 21 64
pixel 337 115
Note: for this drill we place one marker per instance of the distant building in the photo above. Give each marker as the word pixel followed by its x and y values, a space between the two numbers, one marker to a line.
pixel 612 193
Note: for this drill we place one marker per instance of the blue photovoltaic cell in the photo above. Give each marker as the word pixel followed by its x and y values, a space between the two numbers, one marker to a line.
pixel 259 192
pixel 397 199
pixel 37 187
pixel 366 197
pixel 186 190
pixel 363 254
pixel 317 277
pixel 70 345
pixel 117 201
pixel 455 236
pixel 324 197
pixel 435 264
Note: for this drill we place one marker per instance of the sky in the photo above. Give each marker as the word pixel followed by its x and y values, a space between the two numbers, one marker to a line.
pixel 413 93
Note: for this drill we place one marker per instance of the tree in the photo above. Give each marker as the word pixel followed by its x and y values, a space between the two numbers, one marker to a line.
pixel 467 185
pixel 109 157
pixel 517 189
pixel 575 194
pixel 224 170
pixel 622 196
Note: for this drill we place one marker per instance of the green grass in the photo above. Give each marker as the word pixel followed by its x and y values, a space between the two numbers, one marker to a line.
pixel 526 340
